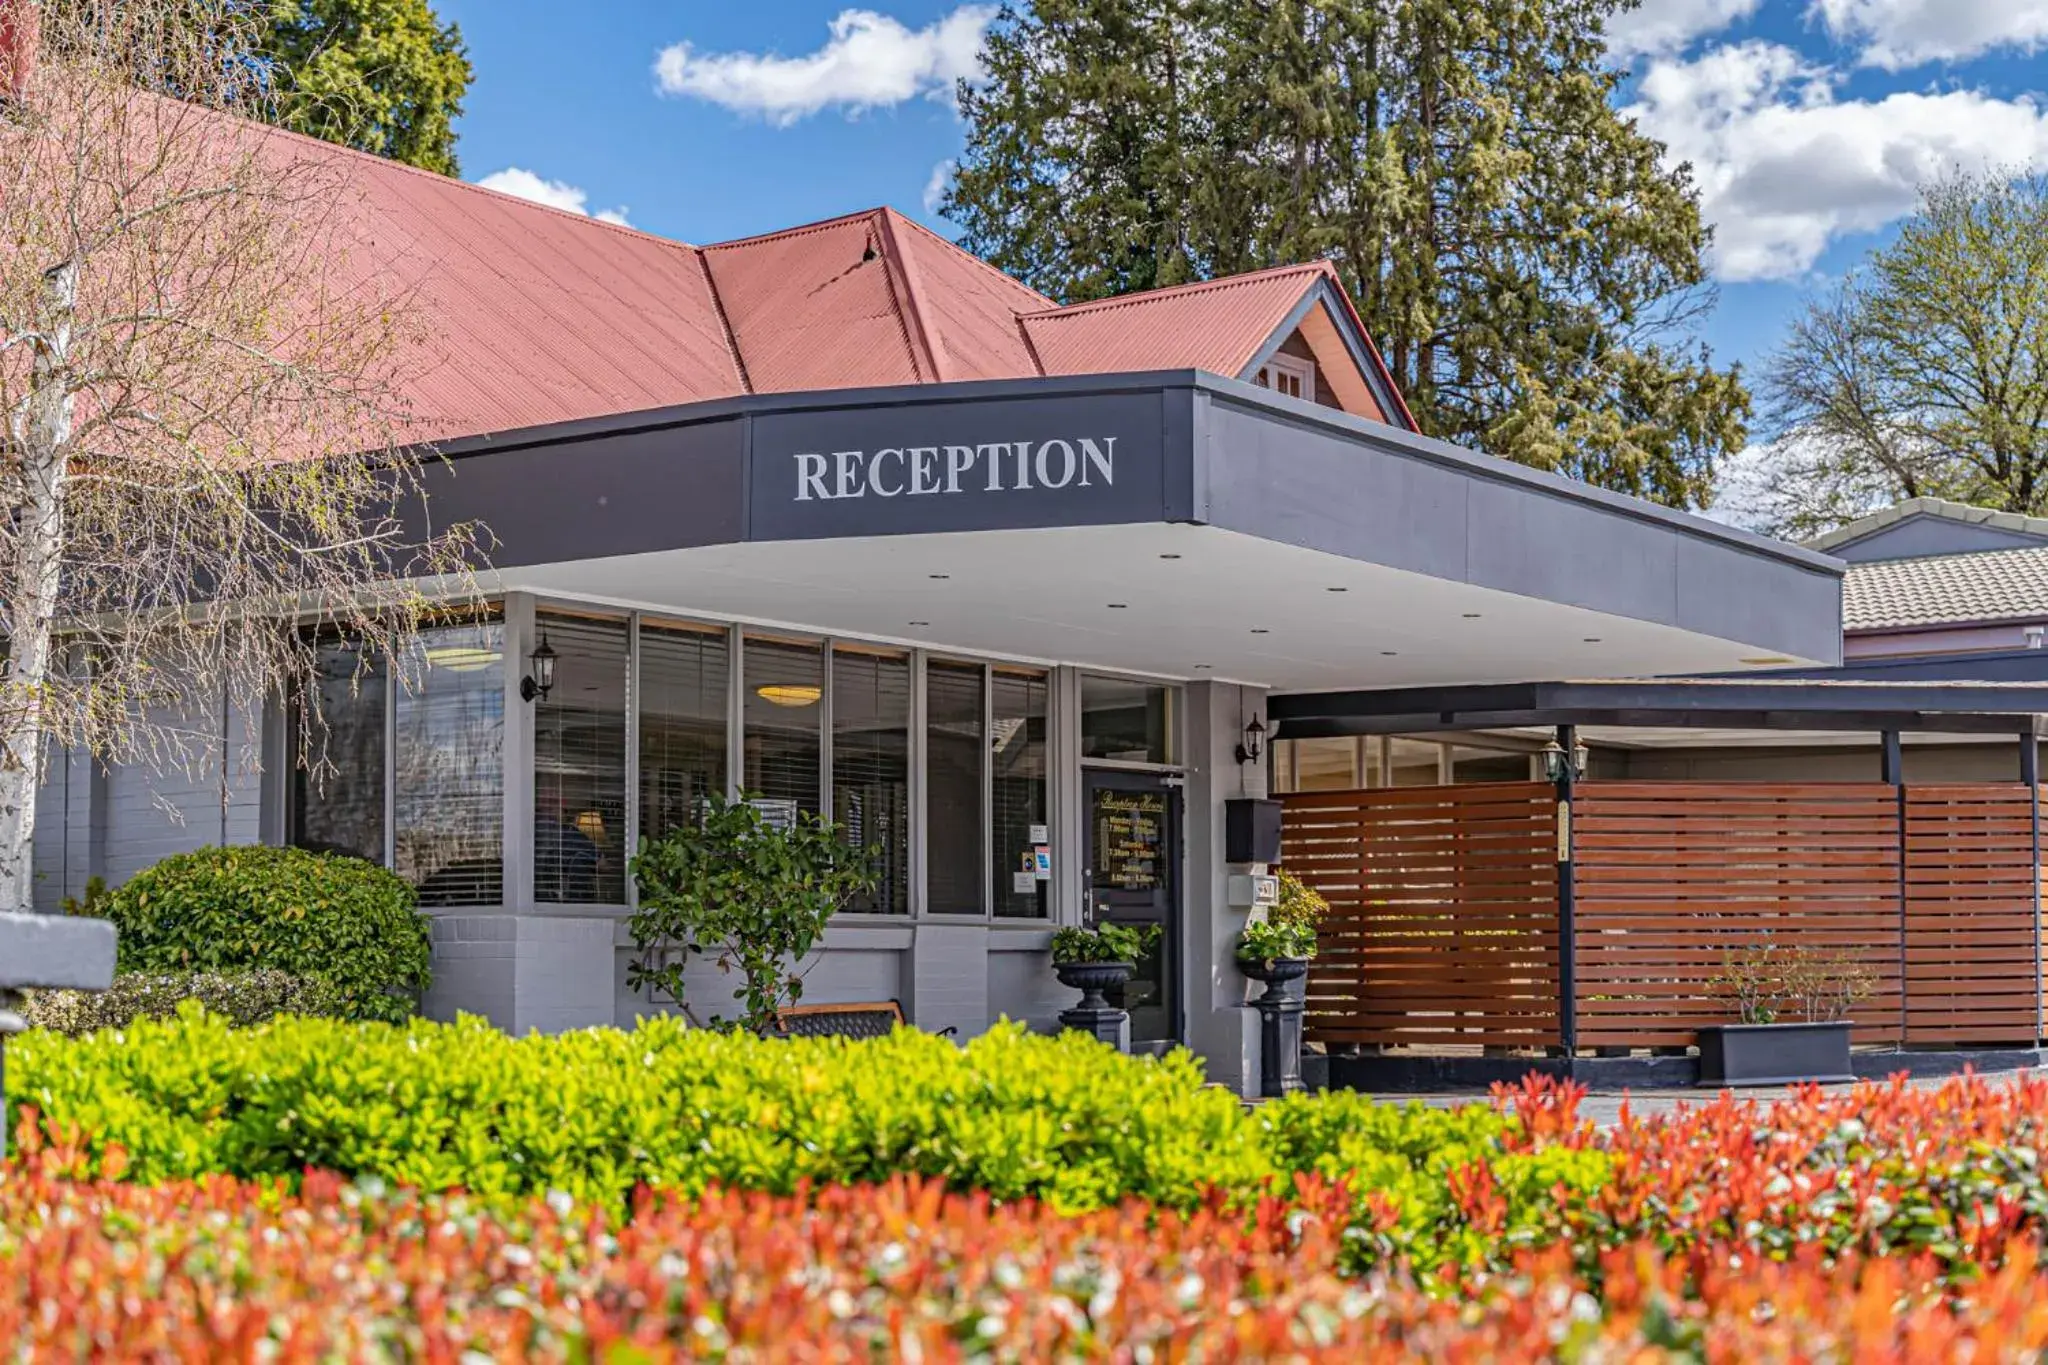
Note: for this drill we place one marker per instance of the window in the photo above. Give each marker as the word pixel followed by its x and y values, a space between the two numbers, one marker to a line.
pixel 1415 762
pixel 1488 765
pixel 338 759
pixel 1325 765
pixel 1290 375
pixel 871 767
pixel 955 760
pixel 684 677
pixel 785 684
pixel 1128 721
pixel 448 787
pixel 579 766
pixel 1017 758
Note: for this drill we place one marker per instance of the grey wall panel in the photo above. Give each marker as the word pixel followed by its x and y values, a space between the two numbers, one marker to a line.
pixel 949 978
pixel 1931 535
pixel 216 799
pixel 1724 592
pixel 475 967
pixel 1562 551
pixel 1021 986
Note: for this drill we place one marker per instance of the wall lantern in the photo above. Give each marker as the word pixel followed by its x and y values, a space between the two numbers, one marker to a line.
pixel 1554 761
pixel 540 680
pixel 1254 742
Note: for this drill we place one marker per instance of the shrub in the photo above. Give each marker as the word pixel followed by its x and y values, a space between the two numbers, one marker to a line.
pixel 228 1271
pixel 755 894
pixel 346 921
pixel 1106 942
pixel 241 998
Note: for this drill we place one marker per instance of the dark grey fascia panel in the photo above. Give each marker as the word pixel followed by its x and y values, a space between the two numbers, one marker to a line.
pixel 1684 703
pixel 1170 446
pixel 1371 492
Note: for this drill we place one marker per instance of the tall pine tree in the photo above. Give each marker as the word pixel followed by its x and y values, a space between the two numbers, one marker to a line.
pixel 1525 263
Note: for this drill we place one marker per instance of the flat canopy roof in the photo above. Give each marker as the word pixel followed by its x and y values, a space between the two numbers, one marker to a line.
pixel 1171 523
pixel 1763 703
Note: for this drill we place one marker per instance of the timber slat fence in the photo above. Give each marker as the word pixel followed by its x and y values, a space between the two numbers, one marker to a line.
pixel 1445 922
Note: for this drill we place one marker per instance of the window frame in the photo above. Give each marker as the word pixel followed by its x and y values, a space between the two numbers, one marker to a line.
pixel 1293 367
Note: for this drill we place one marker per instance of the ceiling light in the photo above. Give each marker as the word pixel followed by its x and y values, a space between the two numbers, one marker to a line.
pixel 1119 606
pixel 938 575
pixel 1336 590
pixel 1768 659
pixel 1260 630
pixel 1390 653
pixel 920 623
pixel 1204 666
pixel 1169 556
pixel 789 694
pixel 1592 639
pixel 462 658
pixel 1471 616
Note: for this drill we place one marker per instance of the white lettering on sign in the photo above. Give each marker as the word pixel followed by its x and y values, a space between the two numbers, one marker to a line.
pixel 993 467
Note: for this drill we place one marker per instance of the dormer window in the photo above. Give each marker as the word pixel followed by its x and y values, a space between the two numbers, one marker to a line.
pixel 1289 375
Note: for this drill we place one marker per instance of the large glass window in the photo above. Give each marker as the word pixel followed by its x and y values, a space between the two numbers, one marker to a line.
pixel 871 767
pixel 338 759
pixel 1017 757
pixel 785 684
pixel 683 692
pixel 955 750
pixel 579 765
pixel 1129 721
pixel 449 779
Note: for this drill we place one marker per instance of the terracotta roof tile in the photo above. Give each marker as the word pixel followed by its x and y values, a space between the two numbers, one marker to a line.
pixel 1983 585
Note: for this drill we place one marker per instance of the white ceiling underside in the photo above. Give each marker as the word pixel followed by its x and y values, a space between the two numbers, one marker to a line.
pixel 1196 602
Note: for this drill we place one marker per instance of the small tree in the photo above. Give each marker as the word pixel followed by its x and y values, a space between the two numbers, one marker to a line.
pixel 752 893
pixel 204 454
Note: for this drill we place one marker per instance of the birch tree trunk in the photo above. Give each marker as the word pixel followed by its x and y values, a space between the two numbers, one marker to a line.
pixel 43 441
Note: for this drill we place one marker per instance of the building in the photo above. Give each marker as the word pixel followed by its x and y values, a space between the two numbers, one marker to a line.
pixel 843 517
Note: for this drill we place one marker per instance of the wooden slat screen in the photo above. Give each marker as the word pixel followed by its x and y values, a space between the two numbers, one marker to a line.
pixel 1443 925
pixel 1671 877
pixel 1970 926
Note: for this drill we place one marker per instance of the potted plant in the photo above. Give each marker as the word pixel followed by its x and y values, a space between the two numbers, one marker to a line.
pixel 1766 982
pixel 1095 960
pixel 1276 950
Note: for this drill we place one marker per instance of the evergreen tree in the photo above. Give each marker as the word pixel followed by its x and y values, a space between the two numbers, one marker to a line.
pixel 382 76
pixel 1526 265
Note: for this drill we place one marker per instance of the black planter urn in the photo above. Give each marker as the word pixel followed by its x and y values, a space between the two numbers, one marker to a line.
pixel 1280 1009
pixel 1095 1015
pixel 1774 1054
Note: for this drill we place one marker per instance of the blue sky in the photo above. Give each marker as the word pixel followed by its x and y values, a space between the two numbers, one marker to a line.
pixel 1808 121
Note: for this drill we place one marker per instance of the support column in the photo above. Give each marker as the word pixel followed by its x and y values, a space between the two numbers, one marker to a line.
pixel 1220 1027
pixel 2030 773
pixel 1567 914
pixel 1892 770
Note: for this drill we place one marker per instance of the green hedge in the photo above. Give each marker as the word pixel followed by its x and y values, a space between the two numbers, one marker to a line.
pixel 597 1112
pixel 348 922
pixel 241 998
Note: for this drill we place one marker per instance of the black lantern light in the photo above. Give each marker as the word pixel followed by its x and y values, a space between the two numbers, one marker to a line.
pixel 1254 742
pixel 1555 760
pixel 540 677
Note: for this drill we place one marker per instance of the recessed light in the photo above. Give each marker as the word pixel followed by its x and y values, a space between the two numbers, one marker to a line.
pixel 920 623
pixel 1260 630
pixel 1336 590
pixel 1592 639
pixel 1119 606
pixel 1202 667
pixel 938 575
pixel 1390 654
pixel 1169 556
pixel 1471 616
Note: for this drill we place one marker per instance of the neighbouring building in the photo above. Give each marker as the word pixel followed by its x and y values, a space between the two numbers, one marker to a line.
pixel 843 517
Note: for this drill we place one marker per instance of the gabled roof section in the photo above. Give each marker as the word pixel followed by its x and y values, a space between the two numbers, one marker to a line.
pixel 1919 526
pixel 1946 590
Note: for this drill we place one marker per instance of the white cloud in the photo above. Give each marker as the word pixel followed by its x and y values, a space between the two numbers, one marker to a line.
pixel 525 184
pixel 1663 26
pixel 935 188
pixel 1784 166
pixel 871 61
pixel 1896 34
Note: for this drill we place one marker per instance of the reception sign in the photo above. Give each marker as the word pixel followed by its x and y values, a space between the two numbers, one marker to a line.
pixel 964 466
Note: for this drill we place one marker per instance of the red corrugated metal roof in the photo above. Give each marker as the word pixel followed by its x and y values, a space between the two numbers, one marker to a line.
pixel 1216 325
pixel 531 315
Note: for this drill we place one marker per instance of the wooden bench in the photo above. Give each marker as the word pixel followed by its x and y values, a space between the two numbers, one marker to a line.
pixel 866 1019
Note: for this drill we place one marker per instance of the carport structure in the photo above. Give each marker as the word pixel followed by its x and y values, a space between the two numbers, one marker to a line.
pixel 1582 918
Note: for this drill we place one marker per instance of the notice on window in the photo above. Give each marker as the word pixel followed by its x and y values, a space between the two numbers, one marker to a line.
pixel 1130 840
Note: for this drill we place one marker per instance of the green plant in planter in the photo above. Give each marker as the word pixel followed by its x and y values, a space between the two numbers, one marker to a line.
pixel 754 894
pixel 1267 939
pixel 1766 981
pixel 1104 943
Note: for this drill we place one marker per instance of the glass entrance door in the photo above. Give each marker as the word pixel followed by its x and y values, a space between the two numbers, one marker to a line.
pixel 1133 877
